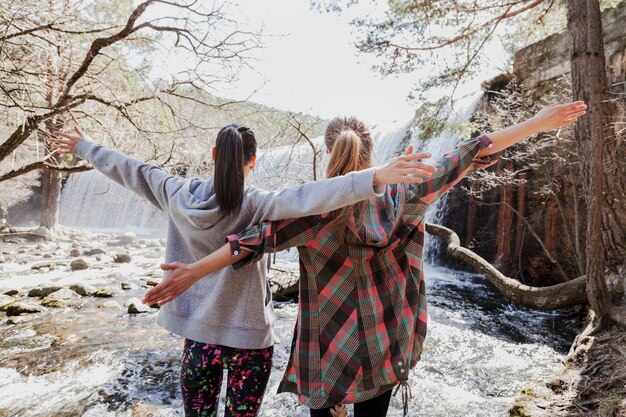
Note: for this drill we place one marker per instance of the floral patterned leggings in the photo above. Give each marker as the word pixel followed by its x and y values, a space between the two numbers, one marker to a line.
pixel 201 379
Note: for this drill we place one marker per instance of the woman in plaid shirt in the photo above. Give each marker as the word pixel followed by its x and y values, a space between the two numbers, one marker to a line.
pixel 362 309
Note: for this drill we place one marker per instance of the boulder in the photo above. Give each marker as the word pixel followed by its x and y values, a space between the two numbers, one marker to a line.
pixel 83 289
pixel 121 258
pixel 5 300
pixel 79 264
pixel 75 252
pixel 43 291
pixel 52 303
pixel 23 307
pixel 136 307
pixel 63 294
pixel 106 292
pixel 11 292
pixel 127 238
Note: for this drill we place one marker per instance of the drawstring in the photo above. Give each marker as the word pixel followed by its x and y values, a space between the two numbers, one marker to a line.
pixel 406 395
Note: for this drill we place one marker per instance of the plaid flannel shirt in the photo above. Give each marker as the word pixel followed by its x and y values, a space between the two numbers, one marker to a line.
pixel 362 303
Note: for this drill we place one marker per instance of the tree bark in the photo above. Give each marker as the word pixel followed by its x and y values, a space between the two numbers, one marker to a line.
pixel 589 83
pixel 472 217
pixel 551 227
pixel 505 220
pixel 521 211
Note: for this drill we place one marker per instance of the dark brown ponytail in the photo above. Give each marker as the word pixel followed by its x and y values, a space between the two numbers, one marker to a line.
pixel 234 146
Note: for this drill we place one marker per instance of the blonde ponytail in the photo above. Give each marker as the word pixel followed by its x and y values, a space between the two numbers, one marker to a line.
pixel 350 144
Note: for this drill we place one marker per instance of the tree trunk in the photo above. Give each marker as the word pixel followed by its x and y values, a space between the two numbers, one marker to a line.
pixel 521 211
pixel 551 227
pixel 472 217
pixel 589 83
pixel 505 220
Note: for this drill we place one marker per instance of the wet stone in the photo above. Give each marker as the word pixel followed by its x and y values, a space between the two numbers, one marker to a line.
pixel 42 291
pixel 106 292
pixel 153 282
pixel 129 285
pixel 52 303
pixel 23 307
pixel 109 304
pixel 78 265
pixel 5 300
pixel 75 252
pixel 63 294
pixel 83 289
pixel 127 238
pixel 94 251
pixel 11 292
pixel 121 258
pixel 136 307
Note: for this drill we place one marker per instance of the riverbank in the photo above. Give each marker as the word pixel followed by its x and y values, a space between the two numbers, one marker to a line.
pixel 592 383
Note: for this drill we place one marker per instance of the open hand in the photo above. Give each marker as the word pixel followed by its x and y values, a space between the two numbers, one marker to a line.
pixel 177 282
pixel 404 168
pixel 557 115
pixel 64 142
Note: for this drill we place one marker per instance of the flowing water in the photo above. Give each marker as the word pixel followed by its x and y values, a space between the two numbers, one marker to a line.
pixel 92 361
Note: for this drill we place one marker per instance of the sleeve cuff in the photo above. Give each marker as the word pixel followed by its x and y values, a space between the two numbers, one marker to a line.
pixel 363 184
pixel 235 248
pixel 485 142
pixel 83 147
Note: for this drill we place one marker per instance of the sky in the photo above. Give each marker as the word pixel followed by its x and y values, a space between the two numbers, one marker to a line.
pixel 309 63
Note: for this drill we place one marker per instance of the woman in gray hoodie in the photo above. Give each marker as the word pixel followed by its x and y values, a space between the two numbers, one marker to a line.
pixel 227 319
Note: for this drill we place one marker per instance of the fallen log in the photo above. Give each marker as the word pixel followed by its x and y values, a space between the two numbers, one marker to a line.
pixel 554 297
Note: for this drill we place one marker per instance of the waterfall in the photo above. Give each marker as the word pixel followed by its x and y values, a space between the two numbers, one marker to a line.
pixel 91 201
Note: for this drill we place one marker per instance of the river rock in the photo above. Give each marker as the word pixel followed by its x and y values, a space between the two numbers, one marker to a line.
pixel 94 251
pixel 109 304
pixel 52 303
pixel 75 252
pixel 23 307
pixel 47 256
pixel 11 292
pixel 136 307
pixel 122 258
pixel 83 289
pixel 79 264
pixel 63 294
pixel 129 285
pixel 5 300
pixel 43 231
pixel 106 292
pixel 127 238
pixel 43 291
pixel 153 282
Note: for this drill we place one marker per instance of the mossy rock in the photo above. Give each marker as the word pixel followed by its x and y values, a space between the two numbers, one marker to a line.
pixel 79 265
pixel 52 303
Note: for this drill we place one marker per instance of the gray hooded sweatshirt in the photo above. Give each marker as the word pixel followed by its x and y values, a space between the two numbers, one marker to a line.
pixel 230 308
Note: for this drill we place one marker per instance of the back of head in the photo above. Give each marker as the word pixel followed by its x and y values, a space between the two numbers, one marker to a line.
pixel 234 147
pixel 350 145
